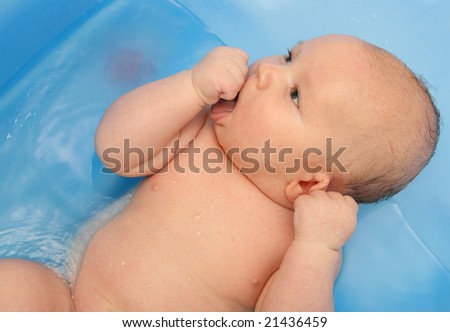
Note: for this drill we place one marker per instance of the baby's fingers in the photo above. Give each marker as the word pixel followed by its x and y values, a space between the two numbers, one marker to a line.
pixel 233 85
pixel 350 200
pixel 236 71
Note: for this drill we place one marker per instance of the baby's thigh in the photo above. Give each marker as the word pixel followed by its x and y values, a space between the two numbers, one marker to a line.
pixel 29 286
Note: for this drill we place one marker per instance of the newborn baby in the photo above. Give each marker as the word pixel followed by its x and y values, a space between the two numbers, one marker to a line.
pixel 253 177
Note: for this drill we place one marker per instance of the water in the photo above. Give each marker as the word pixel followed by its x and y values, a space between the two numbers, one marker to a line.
pixel 51 179
pixel 59 73
pixel 69 268
pixel 399 256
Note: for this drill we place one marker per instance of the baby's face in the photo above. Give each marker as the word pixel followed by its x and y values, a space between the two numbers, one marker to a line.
pixel 297 101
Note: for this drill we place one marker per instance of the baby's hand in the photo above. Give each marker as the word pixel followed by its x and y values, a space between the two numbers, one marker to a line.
pixel 220 74
pixel 325 218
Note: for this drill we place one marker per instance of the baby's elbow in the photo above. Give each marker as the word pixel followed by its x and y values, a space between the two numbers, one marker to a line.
pixel 114 160
pixel 109 155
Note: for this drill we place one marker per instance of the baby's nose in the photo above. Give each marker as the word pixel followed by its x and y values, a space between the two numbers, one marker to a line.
pixel 264 74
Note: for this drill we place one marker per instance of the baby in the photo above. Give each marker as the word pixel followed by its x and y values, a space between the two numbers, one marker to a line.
pixel 253 178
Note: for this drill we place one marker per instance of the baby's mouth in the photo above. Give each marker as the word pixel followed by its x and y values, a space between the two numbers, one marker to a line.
pixel 222 108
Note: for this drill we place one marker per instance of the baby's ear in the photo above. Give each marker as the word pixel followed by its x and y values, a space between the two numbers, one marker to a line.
pixel 306 184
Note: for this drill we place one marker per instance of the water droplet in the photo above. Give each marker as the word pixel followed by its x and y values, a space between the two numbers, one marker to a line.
pixel 200 214
pixel 155 187
pixel 122 263
pixel 189 279
pixel 8 136
pixel 213 203
pixel 199 233
pixel 255 281
pixel 147 286
pixel 110 264
pixel 173 182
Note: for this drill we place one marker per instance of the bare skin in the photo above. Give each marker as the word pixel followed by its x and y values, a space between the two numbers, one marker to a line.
pixel 203 241
pixel 193 245
pixel 28 286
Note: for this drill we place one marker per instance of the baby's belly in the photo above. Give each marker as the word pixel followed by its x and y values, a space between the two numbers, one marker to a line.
pixel 143 277
pixel 171 250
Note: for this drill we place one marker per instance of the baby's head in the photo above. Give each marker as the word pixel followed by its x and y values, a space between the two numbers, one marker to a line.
pixel 339 87
pixel 399 131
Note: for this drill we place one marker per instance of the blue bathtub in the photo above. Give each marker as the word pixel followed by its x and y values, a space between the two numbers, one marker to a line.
pixel 64 61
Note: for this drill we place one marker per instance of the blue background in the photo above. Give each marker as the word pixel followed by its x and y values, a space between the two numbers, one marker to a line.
pixel 63 62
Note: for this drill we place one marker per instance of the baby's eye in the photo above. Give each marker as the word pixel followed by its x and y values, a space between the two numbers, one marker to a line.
pixel 288 58
pixel 294 96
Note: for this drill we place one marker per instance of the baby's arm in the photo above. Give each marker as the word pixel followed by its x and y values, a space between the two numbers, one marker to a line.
pixel 323 222
pixel 155 115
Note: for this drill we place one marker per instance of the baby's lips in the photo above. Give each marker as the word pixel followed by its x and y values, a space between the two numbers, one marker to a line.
pixel 224 105
pixel 222 108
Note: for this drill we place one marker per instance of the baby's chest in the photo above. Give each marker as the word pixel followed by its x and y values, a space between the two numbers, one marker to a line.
pixel 231 246
pixel 210 229
pixel 212 222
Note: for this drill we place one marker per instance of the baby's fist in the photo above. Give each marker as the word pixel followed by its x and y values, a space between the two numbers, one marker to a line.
pixel 325 218
pixel 220 74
